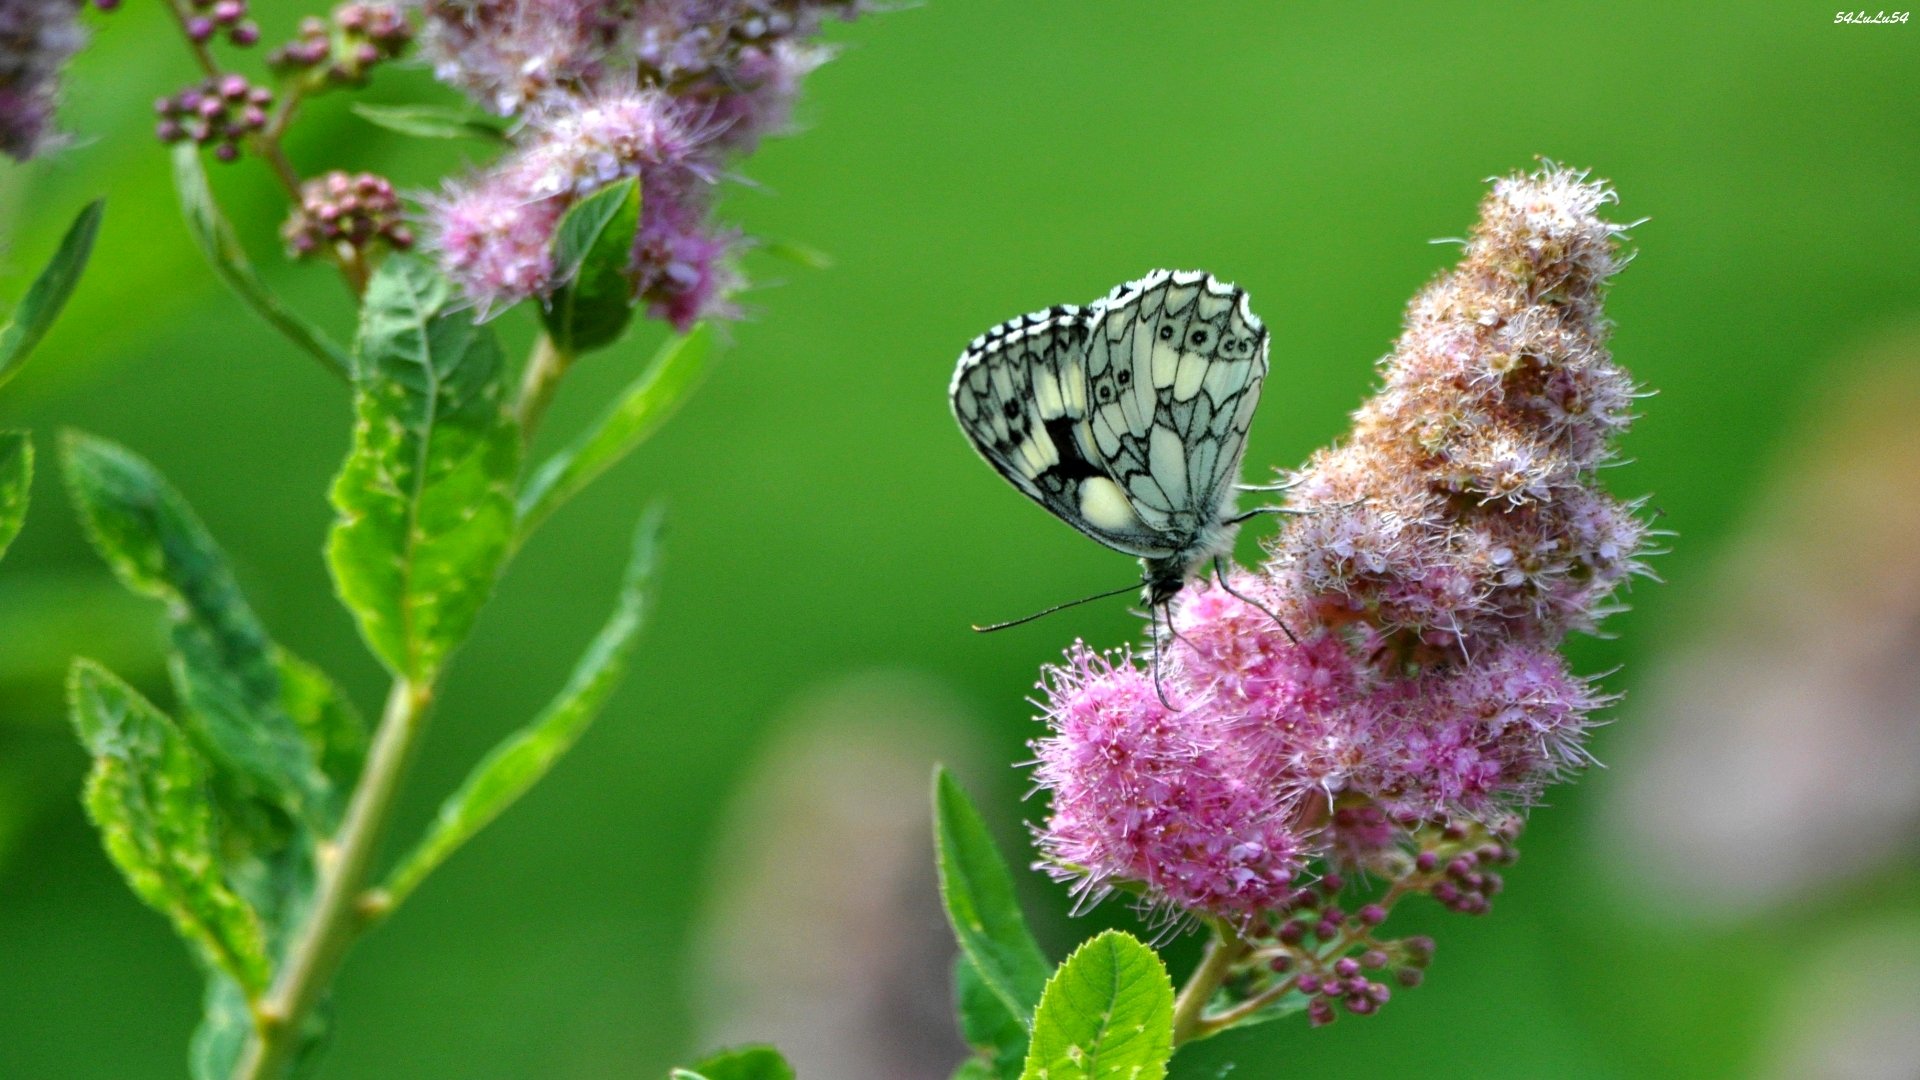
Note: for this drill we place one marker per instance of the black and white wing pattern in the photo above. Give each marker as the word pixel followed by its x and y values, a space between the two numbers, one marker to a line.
pixel 1174 367
pixel 1127 418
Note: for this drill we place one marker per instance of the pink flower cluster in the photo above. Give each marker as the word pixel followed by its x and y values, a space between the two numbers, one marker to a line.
pixel 37 37
pixel 1147 794
pixel 667 91
pixel 1437 557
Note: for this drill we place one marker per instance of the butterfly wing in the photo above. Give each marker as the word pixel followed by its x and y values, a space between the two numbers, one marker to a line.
pixel 1020 394
pixel 1174 364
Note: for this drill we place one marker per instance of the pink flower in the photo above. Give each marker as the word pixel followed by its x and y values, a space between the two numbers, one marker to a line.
pixel 37 37
pixel 666 91
pixel 519 55
pixel 603 139
pixel 1147 794
pixel 1476 738
pixel 494 235
pixel 766 82
pixel 495 239
pixel 682 264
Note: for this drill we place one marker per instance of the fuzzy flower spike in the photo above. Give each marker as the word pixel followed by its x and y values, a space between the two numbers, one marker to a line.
pixel 1437 557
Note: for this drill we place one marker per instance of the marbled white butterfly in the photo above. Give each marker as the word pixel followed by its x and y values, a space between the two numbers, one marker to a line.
pixel 1125 418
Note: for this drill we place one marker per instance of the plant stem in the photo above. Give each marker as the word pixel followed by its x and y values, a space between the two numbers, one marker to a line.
pixel 1204 1027
pixel 545 367
pixel 1221 1021
pixel 268 143
pixel 201 54
pixel 344 861
pixel 1224 950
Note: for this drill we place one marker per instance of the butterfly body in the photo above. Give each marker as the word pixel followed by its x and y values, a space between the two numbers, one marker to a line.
pixel 1126 418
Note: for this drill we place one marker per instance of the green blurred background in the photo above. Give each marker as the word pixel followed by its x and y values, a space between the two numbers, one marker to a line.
pixel 832 536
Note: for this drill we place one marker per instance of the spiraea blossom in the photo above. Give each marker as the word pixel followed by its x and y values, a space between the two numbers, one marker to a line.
pixel 667 91
pixel 37 37
pixel 1409 701
pixel 344 214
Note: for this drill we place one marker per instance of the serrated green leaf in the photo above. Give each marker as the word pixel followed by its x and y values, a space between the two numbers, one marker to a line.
pixel 743 1063
pixel 424 501
pixel 227 671
pixel 592 248
pixel 998 1038
pixel 639 411
pixel 978 891
pixel 524 757
pixel 432 121
pixel 16 484
pixel 1107 1015
pixel 49 291
pixel 147 794
pixel 229 260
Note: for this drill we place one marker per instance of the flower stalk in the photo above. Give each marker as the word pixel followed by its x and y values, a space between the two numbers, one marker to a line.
pixel 345 863
pixel 1224 951
pixel 547 364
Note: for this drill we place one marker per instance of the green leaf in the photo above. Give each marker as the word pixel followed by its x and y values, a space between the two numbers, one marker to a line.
pixel 978 890
pixel 332 728
pixel 432 121
pixel 523 758
pixel 228 673
pixel 592 248
pixel 49 292
pixel 1289 1003
pixel 147 794
pixel 743 1063
pixel 975 1069
pixel 16 484
pixel 799 254
pixel 640 410
pixel 229 260
pixel 998 1037
pixel 1107 1015
pixel 424 501
pixel 225 1022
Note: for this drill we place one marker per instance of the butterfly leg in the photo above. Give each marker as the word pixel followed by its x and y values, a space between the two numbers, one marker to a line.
pixel 1174 631
pixel 1220 575
pixel 1153 659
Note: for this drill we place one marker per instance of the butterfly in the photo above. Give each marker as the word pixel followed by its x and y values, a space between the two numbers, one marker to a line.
pixel 1126 418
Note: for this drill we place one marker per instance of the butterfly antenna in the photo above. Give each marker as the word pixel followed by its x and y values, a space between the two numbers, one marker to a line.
pixel 1057 607
pixel 1248 515
pixel 1220 575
